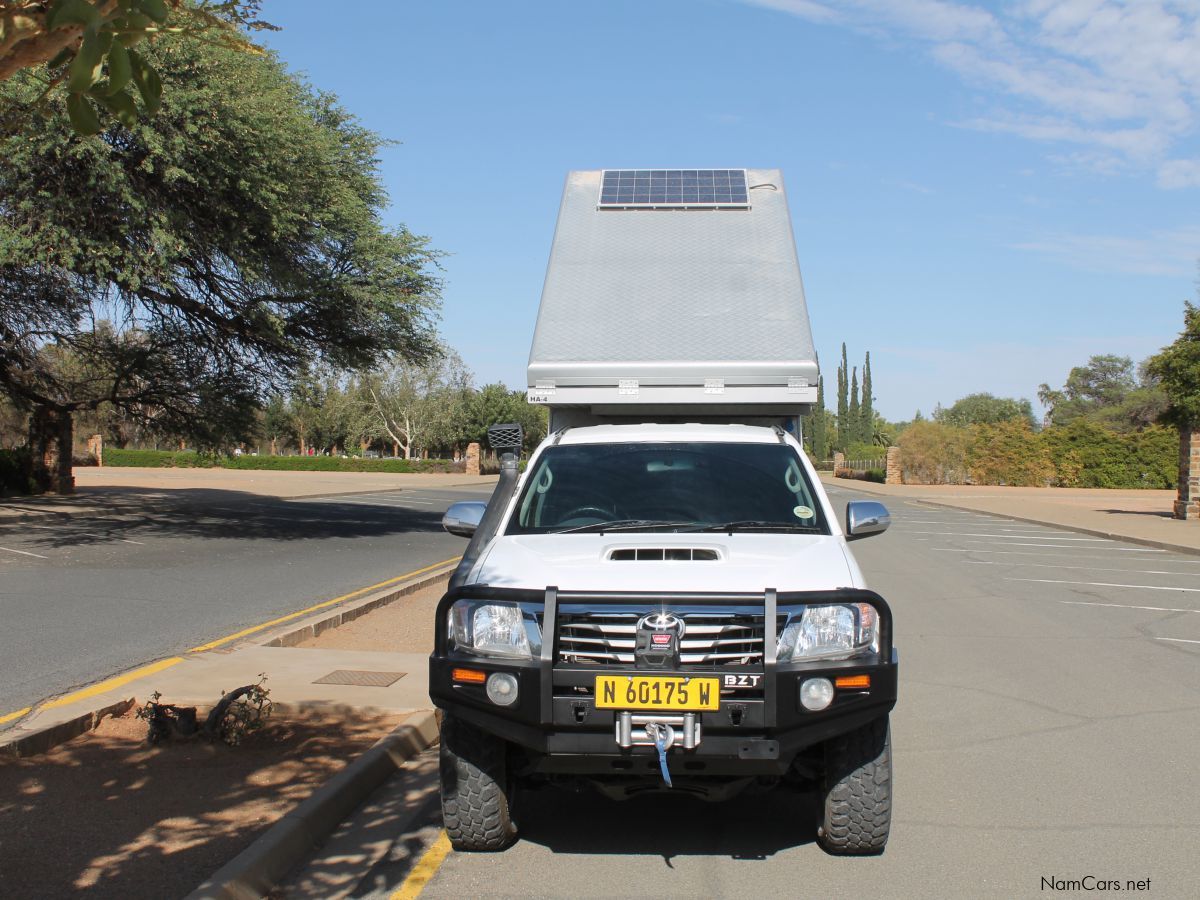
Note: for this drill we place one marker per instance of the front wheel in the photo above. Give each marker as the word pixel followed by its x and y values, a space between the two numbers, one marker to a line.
pixel 477 798
pixel 857 791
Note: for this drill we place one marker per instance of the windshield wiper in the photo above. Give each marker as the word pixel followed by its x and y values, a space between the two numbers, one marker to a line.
pixel 625 525
pixel 759 525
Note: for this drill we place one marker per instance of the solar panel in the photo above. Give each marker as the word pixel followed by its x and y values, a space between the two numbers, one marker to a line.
pixel 674 188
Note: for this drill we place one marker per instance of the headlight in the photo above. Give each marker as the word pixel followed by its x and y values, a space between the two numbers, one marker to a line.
pixel 494 629
pixel 830 632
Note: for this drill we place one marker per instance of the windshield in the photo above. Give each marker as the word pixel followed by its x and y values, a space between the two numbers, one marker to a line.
pixel 668 487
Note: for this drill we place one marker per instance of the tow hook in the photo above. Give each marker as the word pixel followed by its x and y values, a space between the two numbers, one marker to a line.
pixel 663 737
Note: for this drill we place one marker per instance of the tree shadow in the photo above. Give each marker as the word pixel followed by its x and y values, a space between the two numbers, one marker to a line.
pixel 108 816
pixel 104 515
pixel 754 825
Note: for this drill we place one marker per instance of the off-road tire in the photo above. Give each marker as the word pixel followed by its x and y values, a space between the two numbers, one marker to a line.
pixel 476 794
pixel 857 791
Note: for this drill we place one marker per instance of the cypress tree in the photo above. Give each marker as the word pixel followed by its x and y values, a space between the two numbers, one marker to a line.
pixel 854 425
pixel 819 439
pixel 867 409
pixel 843 420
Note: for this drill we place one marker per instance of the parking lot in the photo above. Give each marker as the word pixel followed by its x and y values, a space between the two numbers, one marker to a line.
pixel 1046 727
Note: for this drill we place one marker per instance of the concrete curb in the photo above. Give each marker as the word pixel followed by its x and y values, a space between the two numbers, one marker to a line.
pixel 48 738
pixel 59 733
pixel 354 609
pixel 260 867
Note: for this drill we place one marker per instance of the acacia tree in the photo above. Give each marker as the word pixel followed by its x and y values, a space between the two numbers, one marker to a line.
pixel 413 404
pixel 86 48
pixel 233 240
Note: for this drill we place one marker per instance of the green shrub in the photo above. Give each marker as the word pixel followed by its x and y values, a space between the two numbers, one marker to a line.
pixel 14 468
pixel 877 475
pixel 1009 452
pixel 932 453
pixel 190 459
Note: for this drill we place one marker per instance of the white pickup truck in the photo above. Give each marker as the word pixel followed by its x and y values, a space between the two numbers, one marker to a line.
pixel 664 607
pixel 664 599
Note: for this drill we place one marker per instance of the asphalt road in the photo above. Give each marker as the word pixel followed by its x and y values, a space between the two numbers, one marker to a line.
pixel 85 597
pixel 1047 728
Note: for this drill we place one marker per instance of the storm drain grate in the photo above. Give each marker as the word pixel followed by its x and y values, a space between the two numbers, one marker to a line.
pixel 361 679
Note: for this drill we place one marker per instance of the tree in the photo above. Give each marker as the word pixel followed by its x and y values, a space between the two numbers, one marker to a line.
pixel 853 419
pixel 87 46
pixel 818 433
pixel 986 409
pixel 867 408
pixel 494 404
pixel 234 240
pixel 1177 370
pixel 412 402
pixel 1106 391
pixel 843 420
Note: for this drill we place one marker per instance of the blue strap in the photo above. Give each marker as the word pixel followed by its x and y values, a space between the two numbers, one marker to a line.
pixel 660 742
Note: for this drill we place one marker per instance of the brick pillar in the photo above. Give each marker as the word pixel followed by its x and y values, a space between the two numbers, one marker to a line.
pixel 96 448
pixel 1187 502
pixel 894 475
pixel 473 459
pixel 839 464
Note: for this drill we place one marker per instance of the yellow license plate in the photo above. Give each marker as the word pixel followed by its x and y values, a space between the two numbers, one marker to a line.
pixel 657 692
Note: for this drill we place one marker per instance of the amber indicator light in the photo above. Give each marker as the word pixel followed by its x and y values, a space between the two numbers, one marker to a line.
pixel 853 681
pixel 471 676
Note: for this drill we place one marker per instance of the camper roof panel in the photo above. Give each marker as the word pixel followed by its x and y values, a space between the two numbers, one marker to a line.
pixel 672 294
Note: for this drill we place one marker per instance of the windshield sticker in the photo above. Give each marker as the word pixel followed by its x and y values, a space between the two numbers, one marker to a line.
pixel 803 512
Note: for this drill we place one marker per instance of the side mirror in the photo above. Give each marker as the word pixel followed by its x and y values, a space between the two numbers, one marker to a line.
pixel 864 518
pixel 463 518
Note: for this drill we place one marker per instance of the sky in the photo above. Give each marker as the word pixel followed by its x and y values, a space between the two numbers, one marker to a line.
pixel 983 195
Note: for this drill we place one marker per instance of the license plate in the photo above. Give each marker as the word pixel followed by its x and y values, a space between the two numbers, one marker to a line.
pixel 657 692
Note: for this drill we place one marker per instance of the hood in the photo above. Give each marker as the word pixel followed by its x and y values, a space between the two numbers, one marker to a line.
pixel 738 563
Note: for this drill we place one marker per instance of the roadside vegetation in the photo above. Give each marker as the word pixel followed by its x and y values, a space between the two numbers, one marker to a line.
pixel 1110 425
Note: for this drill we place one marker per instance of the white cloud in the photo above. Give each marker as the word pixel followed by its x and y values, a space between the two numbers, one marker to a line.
pixel 1179 173
pixel 1119 79
pixel 1167 253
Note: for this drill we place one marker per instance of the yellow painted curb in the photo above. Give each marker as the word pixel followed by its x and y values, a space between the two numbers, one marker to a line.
pixel 15 715
pixel 424 870
pixel 112 683
pixel 304 612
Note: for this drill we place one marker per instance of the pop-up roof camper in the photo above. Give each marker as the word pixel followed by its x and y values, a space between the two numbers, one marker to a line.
pixel 673 295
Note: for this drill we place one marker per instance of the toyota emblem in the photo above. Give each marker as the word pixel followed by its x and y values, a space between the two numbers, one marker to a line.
pixel 662 621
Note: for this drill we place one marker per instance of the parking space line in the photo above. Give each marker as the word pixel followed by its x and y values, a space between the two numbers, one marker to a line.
pixel 23 552
pixel 988 562
pixel 1126 606
pixel 1178 640
pixel 1145 587
pixel 422 873
pixel 1012 536
pixel 1075 555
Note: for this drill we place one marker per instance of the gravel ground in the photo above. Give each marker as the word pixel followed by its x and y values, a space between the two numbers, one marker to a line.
pixel 405 626
pixel 106 815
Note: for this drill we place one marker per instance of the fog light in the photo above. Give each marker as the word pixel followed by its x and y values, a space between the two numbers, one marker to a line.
pixel 815 693
pixel 502 688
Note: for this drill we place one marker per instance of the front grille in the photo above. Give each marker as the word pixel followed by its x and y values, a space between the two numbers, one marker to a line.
pixel 711 638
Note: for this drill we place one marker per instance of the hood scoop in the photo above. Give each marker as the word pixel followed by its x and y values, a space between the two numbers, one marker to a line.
pixel 661 554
